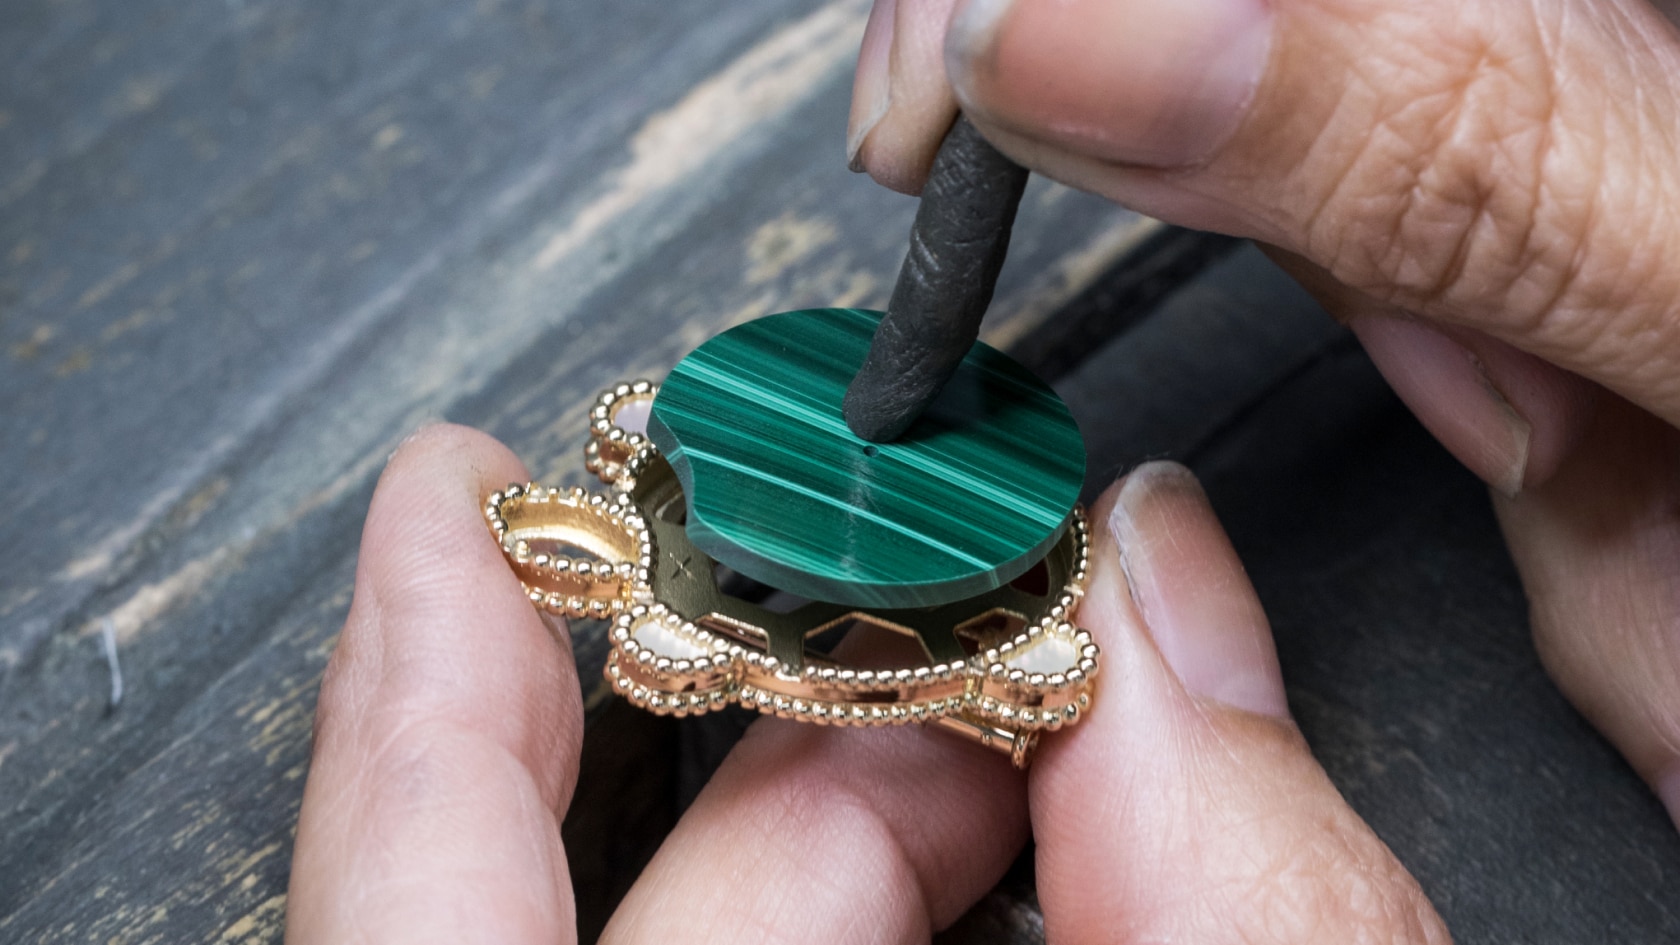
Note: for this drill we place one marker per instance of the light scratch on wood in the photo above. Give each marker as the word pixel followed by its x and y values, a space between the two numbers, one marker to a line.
pixel 768 78
pixel 153 600
pixel 242 863
pixel 101 290
pixel 779 245
pixel 260 924
pixel 30 348
pixel 108 637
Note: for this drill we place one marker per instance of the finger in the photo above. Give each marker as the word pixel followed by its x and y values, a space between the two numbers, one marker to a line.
pixel 1507 415
pixel 447 733
pixel 1480 163
pixel 1598 548
pixel 809 834
pixel 1187 807
pixel 902 104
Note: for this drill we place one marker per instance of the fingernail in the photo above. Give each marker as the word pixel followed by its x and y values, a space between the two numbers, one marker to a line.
pixel 872 84
pixel 1192 593
pixel 1454 395
pixel 1159 84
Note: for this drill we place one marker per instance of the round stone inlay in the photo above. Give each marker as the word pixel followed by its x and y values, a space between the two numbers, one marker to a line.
pixel 779 489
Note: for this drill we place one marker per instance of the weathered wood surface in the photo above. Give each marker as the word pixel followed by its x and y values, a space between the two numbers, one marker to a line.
pixel 246 245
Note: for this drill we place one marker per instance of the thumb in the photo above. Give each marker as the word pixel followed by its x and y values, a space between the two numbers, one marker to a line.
pixel 1479 163
pixel 1187 807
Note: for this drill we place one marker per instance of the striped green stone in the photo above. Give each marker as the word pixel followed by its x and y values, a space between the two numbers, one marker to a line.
pixel 781 490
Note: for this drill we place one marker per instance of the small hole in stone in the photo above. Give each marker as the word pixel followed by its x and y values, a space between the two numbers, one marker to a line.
pixel 870 450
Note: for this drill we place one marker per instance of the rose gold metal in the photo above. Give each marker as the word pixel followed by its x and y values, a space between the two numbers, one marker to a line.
pixel 1001 668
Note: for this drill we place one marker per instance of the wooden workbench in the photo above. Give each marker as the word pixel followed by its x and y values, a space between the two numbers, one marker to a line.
pixel 246 245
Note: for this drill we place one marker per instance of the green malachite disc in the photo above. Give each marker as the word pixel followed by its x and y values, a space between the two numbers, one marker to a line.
pixel 779 489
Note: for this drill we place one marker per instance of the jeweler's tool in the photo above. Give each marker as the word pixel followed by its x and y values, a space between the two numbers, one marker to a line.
pixel 957 246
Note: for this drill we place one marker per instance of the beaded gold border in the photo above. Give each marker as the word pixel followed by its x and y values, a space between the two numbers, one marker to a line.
pixel 984 687
pixel 983 698
pixel 731 672
pixel 610 446
pixel 573 586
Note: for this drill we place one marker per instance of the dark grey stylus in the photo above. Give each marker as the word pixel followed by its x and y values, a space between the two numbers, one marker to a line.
pixel 957 245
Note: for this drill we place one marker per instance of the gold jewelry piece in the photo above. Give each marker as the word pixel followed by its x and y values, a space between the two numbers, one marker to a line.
pixel 1000 668
pixel 610 445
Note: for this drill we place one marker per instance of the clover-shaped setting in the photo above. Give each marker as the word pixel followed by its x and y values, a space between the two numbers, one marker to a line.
pixel 998 666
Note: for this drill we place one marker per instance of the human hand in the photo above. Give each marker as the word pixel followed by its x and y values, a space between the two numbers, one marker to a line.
pixel 1484 191
pixel 1185 806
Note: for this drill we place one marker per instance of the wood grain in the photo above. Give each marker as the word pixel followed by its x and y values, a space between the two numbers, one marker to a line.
pixel 246 245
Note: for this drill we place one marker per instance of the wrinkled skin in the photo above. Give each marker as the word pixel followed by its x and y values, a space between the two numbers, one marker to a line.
pixel 1484 190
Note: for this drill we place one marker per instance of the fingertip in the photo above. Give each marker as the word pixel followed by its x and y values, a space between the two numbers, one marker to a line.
pixel 1510 417
pixel 1187 785
pixel 452 451
pixel 871 84
pixel 1132 671
pixel 1558 405
pixel 899 153
pixel 1506 414
pixel 902 103
pixel 440 627
pixel 426 542
pixel 1192 591
pixel 426 511
pixel 1450 392
pixel 1160 85
pixel 1183 638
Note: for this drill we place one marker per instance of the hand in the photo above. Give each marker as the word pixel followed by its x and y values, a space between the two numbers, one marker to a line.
pixel 1185 807
pixel 1485 191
